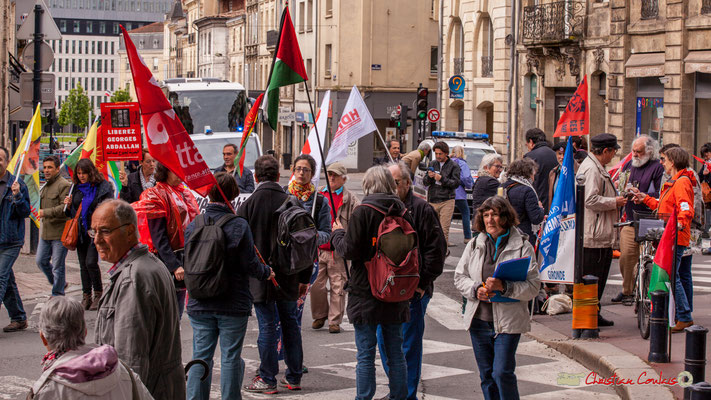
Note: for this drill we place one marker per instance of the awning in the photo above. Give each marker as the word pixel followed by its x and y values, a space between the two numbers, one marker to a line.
pixel 643 65
pixel 698 61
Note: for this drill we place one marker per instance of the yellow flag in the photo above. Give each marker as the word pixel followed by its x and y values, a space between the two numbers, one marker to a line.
pixel 25 162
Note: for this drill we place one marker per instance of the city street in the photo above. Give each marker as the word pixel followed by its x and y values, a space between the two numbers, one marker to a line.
pixel 449 370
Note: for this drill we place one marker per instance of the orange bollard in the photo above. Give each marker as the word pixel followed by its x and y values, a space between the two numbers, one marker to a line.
pixel 585 310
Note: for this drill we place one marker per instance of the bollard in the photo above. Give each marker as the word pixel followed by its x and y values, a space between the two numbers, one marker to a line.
pixel 695 357
pixel 659 328
pixel 585 308
pixel 700 391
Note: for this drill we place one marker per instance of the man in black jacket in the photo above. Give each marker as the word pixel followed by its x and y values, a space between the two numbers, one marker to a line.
pixel 246 181
pixel 136 182
pixel 540 152
pixel 442 179
pixel 259 210
pixel 432 248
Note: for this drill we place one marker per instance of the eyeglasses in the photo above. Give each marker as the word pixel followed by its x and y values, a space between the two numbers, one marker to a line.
pixel 103 231
pixel 302 169
pixel 499 166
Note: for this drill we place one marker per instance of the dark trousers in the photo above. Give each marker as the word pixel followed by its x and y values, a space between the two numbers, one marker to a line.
pixel 597 262
pixel 89 266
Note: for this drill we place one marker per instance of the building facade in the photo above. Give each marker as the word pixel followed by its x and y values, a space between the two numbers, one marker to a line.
pixel 7 46
pixel 149 43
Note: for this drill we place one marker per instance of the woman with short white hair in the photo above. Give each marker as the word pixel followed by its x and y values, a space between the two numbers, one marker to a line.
pixel 75 370
pixel 487 181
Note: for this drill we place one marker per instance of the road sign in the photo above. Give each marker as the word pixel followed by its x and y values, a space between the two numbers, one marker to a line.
pixel 432 115
pixel 46 56
pixel 456 87
pixel 49 28
pixel 46 89
pixel 285 116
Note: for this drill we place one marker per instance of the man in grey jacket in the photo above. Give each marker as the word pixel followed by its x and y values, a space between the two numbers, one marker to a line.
pixel 138 312
pixel 602 209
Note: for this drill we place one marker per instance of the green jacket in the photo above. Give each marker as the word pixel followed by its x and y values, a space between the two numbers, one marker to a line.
pixel 52 203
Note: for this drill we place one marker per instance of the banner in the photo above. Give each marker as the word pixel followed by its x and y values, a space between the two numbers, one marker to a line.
pixel 355 123
pixel 24 164
pixel 311 146
pixel 558 241
pixel 575 121
pixel 121 128
pixel 249 123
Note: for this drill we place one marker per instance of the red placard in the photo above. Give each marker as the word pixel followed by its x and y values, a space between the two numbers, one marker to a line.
pixel 121 131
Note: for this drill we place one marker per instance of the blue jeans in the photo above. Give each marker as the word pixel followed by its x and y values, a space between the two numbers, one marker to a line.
pixel 496 359
pixel 683 287
pixel 413 332
pixel 366 340
pixel 8 288
pixel 463 207
pixel 207 328
pixel 269 314
pixel 55 251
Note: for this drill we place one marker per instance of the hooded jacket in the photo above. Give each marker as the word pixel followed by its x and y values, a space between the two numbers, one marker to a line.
pixel 89 372
pixel 677 194
pixel 356 243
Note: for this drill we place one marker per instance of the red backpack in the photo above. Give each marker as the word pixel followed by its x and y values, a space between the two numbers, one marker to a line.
pixel 393 272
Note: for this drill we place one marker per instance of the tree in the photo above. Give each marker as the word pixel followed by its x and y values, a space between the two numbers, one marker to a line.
pixel 75 110
pixel 120 96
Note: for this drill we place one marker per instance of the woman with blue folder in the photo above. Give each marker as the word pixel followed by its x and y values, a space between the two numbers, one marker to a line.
pixel 498 275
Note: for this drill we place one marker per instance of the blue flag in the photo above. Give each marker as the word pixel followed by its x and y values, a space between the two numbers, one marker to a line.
pixel 563 204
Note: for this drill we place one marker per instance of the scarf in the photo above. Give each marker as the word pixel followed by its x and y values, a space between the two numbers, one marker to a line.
pixel 89 192
pixel 302 192
pixel 525 182
pixel 50 358
pixel 146 184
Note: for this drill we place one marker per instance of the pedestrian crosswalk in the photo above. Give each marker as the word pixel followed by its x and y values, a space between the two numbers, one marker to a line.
pixel 700 272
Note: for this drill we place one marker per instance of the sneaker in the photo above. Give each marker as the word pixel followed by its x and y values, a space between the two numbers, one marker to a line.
pixel 258 385
pixel 318 323
pixel 15 326
pixel 604 322
pixel 335 328
pixel 628 300
pixel 680 326
pixel 291 386
pixel 618 298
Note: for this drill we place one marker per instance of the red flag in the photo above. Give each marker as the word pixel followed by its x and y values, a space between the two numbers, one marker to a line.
pixel 615 171
pixel 248 128
pixel 575 121
pixel 167 140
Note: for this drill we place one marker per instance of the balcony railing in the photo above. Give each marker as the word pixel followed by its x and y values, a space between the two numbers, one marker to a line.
pixel 272 39
pixel 650 9
pixel 458 66
pixel 487 67
pixel 561 21
pixel 705 6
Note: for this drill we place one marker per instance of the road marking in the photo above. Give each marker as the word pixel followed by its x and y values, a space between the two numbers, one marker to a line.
pixel 445 311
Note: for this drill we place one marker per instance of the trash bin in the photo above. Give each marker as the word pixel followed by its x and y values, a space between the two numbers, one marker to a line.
pixel 286 160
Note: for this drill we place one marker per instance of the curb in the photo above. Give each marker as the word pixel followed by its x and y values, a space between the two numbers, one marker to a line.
pixel 606 360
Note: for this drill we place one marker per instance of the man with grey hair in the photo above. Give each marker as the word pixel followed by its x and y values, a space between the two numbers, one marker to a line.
pixel 645 173
pixel 70 366
pixel 138 311
pixel 415 157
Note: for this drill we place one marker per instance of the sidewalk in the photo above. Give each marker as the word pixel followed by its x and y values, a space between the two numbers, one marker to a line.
pixel 621 349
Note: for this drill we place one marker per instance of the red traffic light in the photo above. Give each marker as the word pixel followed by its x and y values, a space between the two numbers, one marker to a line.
pixel 422 92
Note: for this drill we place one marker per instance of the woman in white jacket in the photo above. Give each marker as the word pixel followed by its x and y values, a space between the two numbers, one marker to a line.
pixel 496 327
pixel 74 370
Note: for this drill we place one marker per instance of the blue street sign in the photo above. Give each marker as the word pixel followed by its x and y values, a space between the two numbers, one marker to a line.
pixel 456 87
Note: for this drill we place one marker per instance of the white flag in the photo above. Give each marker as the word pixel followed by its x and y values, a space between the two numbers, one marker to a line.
pixel 311 145
pixel 355 123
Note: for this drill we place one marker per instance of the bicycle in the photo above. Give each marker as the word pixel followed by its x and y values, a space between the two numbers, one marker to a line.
pixel 648 231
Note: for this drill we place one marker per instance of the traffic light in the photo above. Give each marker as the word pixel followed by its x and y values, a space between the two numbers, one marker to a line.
pixel 402 122
pixel 422 93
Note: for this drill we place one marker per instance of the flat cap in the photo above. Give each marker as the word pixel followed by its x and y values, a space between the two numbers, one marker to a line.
pixel 337 168
pixel 604 141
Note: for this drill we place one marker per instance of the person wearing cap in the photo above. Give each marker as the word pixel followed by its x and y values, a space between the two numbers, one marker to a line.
pixel 602 207
pixel 331 265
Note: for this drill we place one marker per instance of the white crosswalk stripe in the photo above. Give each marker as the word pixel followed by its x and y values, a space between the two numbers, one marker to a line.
pixel 700 273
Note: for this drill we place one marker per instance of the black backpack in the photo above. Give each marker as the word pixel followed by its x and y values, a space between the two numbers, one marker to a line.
pixel 204 259
pixel 295 246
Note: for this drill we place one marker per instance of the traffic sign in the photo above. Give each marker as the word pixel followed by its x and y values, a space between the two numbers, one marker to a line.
pixel 456 87
pixel 49 28
pixel 46 89
pixel 46 56
pixel 432 115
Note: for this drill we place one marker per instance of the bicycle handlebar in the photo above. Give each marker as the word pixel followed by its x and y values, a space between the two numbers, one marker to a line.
pixel 621 224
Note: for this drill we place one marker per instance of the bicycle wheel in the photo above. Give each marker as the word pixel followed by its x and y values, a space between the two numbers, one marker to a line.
pixel 645 304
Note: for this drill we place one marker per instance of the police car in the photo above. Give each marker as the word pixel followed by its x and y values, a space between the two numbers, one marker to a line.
pixel 476 146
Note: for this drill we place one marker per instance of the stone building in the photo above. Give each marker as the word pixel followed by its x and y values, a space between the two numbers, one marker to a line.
pixel 7 47
pixel 648 64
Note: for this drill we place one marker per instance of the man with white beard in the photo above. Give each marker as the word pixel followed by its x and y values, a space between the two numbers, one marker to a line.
pixel 645 174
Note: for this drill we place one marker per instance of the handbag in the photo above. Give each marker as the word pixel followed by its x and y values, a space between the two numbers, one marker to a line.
pixel 706 192
pixel 70 234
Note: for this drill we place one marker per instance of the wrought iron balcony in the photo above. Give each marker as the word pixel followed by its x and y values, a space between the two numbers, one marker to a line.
pixel 551 23
pixel 705 6
pixel 458 65
pixel 272 39
pixel 487 67
pixel 650 9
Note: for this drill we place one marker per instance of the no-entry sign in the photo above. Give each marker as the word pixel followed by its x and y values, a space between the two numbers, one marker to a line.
pixel 433 115
pixel 121 129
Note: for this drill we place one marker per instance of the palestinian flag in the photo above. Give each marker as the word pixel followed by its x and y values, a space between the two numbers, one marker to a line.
pixel 287 68
pixel 247 132
pixel 664 258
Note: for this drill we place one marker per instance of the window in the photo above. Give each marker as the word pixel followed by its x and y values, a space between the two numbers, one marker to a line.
pixel 74 47
pixel 112 66
pixel 327 61
pixel 59 83
pixel 106 66
pixel 98 48
pixel 650 9
pixel 112 48
pixel 92 83
pixel 73 70
pixel 329 8
pixel 66 47
pixel 89 26
pixel 86 65
pixel 116 28
pixel 79 65
pixel 59 65
pixel 102 27
pixel 66 84
pixel 79 45
pixel 98 67
pixel 112 84
pixel 155 42
pixel 93 47
pixel 155 63
pixel 309 15
pixel 92 66
pixel 63 26
pixel 98 84
pixel 66 65
pixel 434 62
pixel 140 44
pixel 106 86
pixel 76 27
pixel 302 15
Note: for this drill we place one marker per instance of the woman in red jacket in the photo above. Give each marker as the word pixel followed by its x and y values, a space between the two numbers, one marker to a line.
pixel 677 195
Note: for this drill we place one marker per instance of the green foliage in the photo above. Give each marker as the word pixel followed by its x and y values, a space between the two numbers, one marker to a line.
pixel 75 110
pixel 121 96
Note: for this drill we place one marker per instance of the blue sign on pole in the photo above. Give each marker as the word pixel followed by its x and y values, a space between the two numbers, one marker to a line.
pixel 456 87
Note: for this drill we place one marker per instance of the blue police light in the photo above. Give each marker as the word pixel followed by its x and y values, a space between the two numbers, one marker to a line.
pixel 240 128
pixel 460 135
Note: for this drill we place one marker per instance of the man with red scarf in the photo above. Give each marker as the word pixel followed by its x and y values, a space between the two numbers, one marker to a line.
pixel 164 211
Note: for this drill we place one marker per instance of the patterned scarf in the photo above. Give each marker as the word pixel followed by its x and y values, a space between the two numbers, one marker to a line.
pixel 50 358
pixel 146 184
pixel 302 192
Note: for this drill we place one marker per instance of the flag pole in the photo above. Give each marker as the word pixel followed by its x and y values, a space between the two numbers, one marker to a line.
pixel 320 149
pixel 385 145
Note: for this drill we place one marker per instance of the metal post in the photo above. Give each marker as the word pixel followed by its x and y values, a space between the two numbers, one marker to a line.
pixel 579 226
pixel 36 71
pixel 695 357
pixel 658 328
pixel 581 302
pixel 700 391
